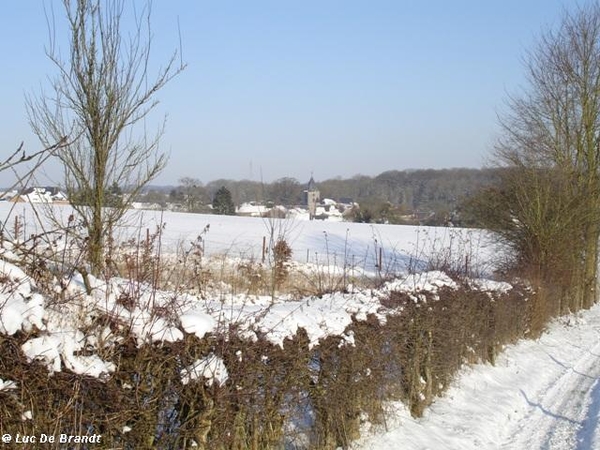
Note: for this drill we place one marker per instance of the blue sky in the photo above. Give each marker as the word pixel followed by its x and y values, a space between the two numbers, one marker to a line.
pixel 286 88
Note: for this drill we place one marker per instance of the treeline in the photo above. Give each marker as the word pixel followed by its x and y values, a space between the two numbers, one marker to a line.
pixel 392 196
pixel 428 196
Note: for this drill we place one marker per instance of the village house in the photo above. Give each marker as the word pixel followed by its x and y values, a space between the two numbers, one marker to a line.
pixel 47 194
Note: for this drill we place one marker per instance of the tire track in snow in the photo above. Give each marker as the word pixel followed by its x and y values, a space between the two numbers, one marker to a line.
pixel 589 435
pixel 563 415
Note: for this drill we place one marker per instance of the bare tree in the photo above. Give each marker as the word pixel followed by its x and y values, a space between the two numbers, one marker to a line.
pixel 101 94
pixel 551 141
pixel 286 191
pixel 194 193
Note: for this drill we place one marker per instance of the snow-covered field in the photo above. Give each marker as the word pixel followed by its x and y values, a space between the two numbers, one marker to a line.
pixel 328 243
pixel 542 394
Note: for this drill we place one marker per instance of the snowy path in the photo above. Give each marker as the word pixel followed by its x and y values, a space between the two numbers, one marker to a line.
pixel 542 394
pixel 564 414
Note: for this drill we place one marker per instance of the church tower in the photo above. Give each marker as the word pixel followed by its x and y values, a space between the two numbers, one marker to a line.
pixel 312 197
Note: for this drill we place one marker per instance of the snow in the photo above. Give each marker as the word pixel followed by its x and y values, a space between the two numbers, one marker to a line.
pixel 148 327
pixel 55 348
pixel 298 214
pixel 42 195
pixel 353 245
pixel 12 272
pixel 7 384
pixel 252 209
pixel 321 317
pixel 497 287
pixel 542 394
pixel 211 368
pixel 19 307
pixel 44 348
pixel 424 281
pixel 18 312
pixel 197 322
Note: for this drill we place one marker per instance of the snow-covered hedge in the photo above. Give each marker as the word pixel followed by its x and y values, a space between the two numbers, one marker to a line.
pixel 155 369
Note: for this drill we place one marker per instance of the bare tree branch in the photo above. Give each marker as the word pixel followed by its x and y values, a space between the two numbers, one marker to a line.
pixel 101 92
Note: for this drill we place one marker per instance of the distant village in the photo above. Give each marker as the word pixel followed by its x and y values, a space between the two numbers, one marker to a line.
pixel 47 194
pixel 425 197
pixel 313 207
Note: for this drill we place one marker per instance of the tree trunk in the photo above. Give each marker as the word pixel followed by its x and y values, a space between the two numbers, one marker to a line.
pixel 96 243
pixel 590 269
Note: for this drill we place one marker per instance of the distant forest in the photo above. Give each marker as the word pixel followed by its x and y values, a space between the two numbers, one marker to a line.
pixel 424 196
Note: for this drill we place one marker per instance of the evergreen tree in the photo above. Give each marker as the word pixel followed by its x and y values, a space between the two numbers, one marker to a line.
pixel 223 203
pixel 113 197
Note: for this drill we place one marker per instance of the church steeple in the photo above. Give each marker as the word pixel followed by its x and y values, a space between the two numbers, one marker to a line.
pixel 312 186
pixel 312 197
